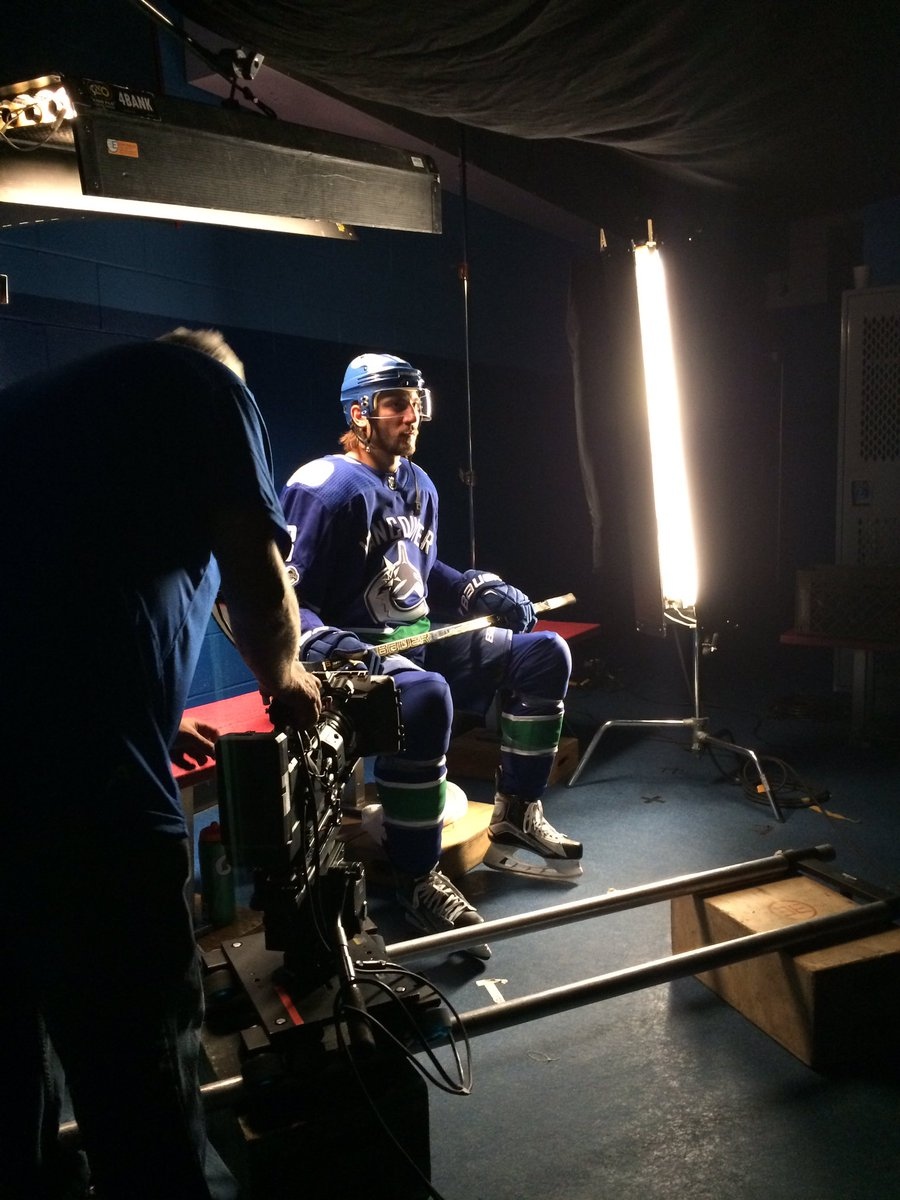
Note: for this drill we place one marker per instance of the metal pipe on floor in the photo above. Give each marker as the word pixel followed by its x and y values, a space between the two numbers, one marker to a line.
pixel 804 936
pixel 221 1093
pixel 800 937
pixel 720 879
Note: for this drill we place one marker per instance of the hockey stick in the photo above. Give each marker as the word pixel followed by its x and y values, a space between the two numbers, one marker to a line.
pixel 383 649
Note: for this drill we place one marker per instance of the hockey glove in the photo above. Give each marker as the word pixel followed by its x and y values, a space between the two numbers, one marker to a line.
pixel 330 644
pixel 486 594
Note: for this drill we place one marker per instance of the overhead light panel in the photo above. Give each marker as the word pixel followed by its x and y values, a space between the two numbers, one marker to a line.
pixel 80 147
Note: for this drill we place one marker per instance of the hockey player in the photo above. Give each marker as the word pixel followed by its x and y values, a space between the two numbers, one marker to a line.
pixel 365 566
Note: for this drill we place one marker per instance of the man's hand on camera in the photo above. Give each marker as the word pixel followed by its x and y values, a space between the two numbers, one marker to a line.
pixel 301 698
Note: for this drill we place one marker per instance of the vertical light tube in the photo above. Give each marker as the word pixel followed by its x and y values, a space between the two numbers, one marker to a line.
pixel 671 497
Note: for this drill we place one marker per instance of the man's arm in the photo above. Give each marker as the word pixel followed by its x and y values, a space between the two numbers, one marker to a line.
pixel 263 613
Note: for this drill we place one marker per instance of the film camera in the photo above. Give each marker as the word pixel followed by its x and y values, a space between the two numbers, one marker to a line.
pixel 280 800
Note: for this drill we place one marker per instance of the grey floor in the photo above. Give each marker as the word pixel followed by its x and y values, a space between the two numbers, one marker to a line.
pixel 669 1092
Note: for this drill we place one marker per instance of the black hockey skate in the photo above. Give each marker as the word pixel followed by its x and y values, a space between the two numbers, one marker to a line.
pixel 434 905
pixel 519 825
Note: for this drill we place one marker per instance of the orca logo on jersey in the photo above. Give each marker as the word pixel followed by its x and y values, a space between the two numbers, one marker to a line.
pixel 397 594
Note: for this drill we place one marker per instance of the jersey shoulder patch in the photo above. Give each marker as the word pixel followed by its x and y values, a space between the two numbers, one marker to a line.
pixel 313 474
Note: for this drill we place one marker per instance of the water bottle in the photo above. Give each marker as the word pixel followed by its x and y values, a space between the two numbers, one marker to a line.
pixel 216 877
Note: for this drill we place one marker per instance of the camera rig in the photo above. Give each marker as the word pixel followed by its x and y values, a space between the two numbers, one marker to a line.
pixel 301 1009
pixel 281 797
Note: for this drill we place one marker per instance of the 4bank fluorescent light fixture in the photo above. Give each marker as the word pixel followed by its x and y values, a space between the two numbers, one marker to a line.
pixel 671 496
pixel 670 592
pixel 72 147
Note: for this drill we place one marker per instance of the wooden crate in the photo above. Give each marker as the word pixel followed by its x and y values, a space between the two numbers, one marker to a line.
pixel 476 755
pixel 833 1007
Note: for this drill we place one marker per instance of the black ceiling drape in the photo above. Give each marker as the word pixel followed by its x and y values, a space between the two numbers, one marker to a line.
pixel 794 104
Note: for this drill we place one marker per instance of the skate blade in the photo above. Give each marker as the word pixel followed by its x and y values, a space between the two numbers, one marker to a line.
pixel 482 951
pixel 562 869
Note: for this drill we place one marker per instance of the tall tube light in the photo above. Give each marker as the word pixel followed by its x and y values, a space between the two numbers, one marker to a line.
pixel 671 495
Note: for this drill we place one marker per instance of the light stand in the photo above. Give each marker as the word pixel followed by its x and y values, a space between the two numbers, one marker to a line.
pixel 700 739
pixel 669 584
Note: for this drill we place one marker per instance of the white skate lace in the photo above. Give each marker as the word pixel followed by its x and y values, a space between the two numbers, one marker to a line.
pixel 536 823
pixel 438 895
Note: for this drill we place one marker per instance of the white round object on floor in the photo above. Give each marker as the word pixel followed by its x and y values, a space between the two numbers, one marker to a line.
pixel 455 805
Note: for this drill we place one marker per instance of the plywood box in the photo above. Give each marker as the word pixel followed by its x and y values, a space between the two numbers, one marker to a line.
pixel 832 1007
pixel 476 755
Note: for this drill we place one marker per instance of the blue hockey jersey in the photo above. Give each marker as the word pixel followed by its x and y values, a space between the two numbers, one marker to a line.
pixel 365 546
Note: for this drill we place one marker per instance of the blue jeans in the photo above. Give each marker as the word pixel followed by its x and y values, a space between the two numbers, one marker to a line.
pixel 106 976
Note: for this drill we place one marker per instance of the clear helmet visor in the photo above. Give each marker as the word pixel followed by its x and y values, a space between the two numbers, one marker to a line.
pixel 391 402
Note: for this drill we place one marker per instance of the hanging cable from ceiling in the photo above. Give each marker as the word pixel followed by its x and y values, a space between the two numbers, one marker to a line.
pixel 467 473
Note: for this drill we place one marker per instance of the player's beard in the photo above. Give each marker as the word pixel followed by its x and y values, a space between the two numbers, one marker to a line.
pixel 408 442
pixel 401 444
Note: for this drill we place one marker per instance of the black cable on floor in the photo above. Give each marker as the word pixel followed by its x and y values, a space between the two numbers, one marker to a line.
pixel 788 788
pixel 438 1075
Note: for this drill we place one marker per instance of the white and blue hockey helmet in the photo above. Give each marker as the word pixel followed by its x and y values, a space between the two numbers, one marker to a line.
pixel 371 378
